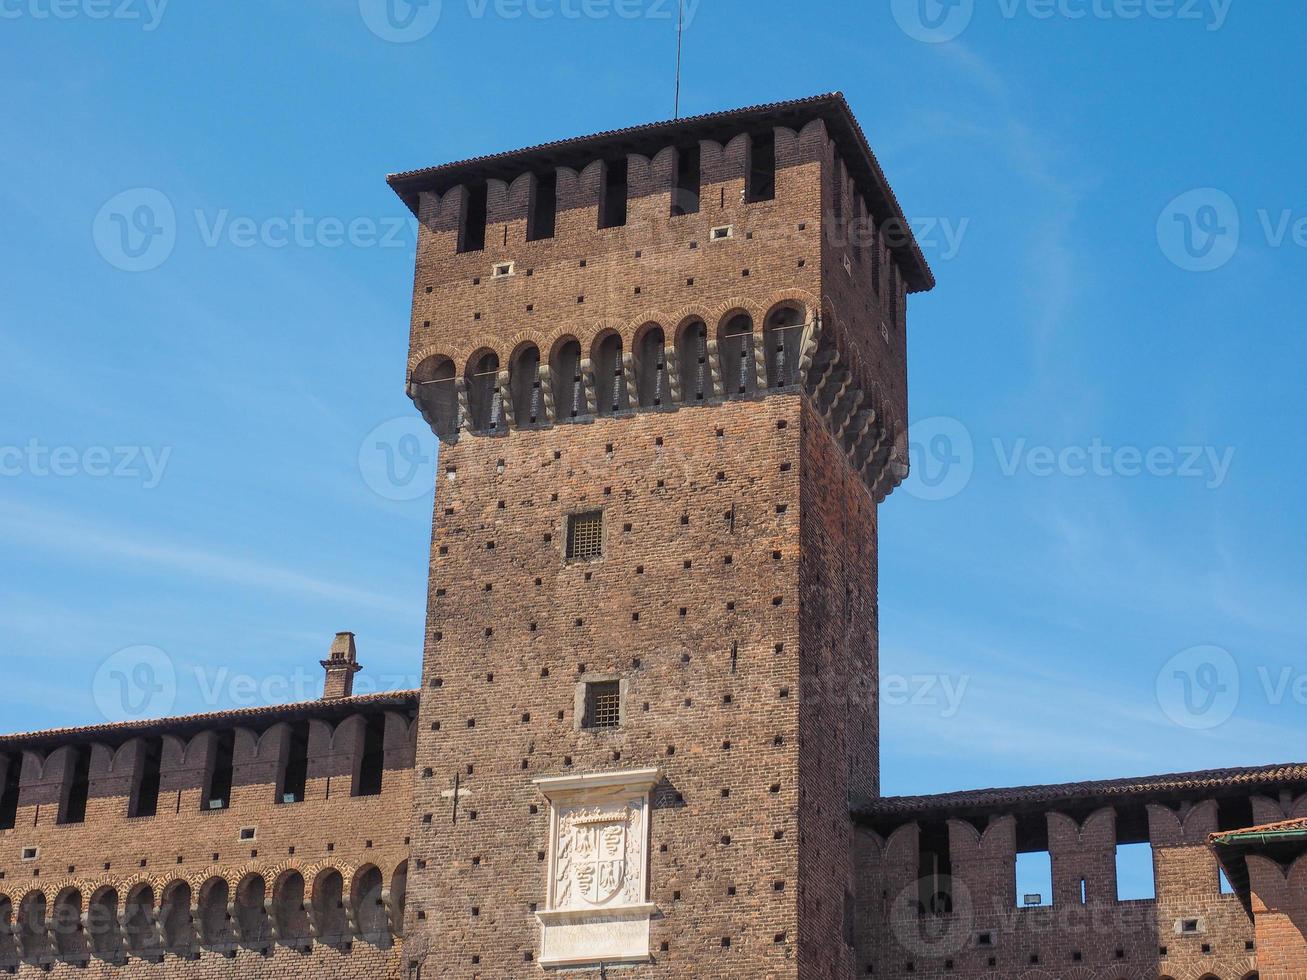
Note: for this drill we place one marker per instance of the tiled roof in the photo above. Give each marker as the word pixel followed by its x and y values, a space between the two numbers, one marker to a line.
pixel 1188 784
pixel 1269 830
pixel 650 137
pixel 119 732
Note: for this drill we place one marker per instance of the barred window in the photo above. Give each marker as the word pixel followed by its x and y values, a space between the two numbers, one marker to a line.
pixel 585 538
pixel 603 704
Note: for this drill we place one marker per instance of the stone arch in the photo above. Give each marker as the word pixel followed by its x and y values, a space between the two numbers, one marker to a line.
pixel 693 367
pixel 736 306
pixel 253 928
pixel 289 909
pixel 176 923
pixel 565 371
pixel 214 920
pixel 139 919
pixel 398 897
pixel 33 927
pixel 481 379
pixel 8 940
pixel 433 386
pixel 330 918
pixel 783 343
pixel 103 931
pixel 368 907
pixel 737 346
pixel 650 357
pixel 66 924
pixel 523 340
pixel 606 355
pixel 525 386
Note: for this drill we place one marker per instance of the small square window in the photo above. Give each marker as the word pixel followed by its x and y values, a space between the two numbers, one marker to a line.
pixel 603 704
pixel 722 233
pixel 585 536
pixel 503 269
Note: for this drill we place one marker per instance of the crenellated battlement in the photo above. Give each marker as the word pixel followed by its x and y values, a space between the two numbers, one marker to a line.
pixel 938 877
pixel 678 267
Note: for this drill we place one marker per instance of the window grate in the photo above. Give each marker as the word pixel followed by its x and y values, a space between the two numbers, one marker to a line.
pixel 603 704
pixel 585 538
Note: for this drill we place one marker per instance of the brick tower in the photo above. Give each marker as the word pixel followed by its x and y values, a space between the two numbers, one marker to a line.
pixel 667 368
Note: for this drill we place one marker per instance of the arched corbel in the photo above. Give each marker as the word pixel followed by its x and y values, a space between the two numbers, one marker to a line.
pixel 588 385
pixel 464 420
pixel 502 400
pixel 673 375
pixel 808 345
pixel 759 340
pixel 546 377
pixel 714 379
pixel 630 395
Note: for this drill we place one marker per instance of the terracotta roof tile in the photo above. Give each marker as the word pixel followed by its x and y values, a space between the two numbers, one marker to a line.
pixel 831 108
pixel 1106 791
pixel 118 732
pixel 1279 827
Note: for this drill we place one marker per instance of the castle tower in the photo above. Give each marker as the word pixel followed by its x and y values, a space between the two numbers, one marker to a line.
pixel 667 368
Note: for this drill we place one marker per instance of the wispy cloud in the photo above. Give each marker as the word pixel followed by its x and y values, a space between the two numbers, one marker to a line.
pixel 23 524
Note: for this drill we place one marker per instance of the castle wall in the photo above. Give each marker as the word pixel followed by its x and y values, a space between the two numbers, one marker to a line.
pixel 190 889
pixel 1190 929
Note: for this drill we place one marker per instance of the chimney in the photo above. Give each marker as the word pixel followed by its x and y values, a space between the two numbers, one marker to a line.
pixel 341 666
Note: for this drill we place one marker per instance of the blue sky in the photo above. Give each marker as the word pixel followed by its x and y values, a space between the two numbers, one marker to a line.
pixel 1059 568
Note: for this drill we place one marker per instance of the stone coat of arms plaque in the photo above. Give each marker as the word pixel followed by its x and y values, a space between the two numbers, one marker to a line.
pixel 597 909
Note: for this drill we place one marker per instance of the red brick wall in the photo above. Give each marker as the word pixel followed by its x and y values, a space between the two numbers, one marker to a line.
pixel 769 744
pixel 504 702
pixel 838 713
pixel 1279 905
pixel 330 830
pixel 1099 937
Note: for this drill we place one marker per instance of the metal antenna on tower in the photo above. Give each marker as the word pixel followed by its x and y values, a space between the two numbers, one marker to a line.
pixel 680 41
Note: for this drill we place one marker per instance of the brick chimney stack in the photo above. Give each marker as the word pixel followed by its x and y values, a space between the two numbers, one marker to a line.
pixel 341 666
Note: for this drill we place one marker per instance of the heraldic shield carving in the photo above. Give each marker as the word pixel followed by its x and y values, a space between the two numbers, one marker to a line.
pixel 593 856
pixel 598 909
